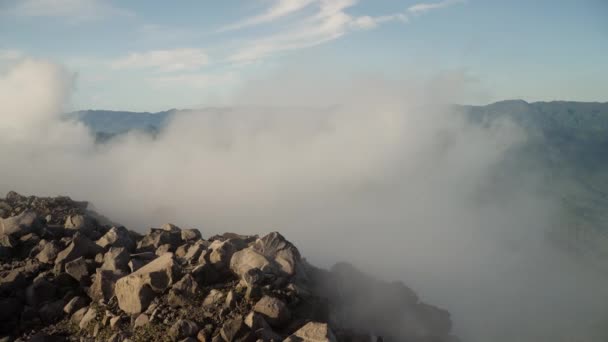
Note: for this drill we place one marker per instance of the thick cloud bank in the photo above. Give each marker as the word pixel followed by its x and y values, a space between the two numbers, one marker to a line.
pixel 381 174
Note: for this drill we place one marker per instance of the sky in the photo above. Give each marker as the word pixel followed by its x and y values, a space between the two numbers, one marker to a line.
pixel 146 55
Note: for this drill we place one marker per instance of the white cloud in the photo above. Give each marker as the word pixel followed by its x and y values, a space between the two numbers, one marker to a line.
pixel 193 80
pixel 280 9
pixel 330 21
pixel 10 54
pixel 425 7
pixel 164 60
pixel 75 9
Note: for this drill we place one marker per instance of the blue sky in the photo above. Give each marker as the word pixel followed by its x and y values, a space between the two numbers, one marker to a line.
pixel 154 55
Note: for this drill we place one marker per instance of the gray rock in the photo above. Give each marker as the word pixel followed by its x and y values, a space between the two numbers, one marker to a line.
pixel 78 315
pixel 236 330
pixel 88 317
pixel 81 246
pixel 117 237
pixel 52 312
pixel 183 328
pixel 274 246
pixel 183 291
pixel 312 332
pixel 141 321
pixel 191 234
pixel 21 224
pixel 75 304
pixel 213 298
pixel 103 284
pixel 39 292
pixel 116 259
pixel 157 237
pixel 274 310
pixel 49 252
pixel 80 269
pixel 82 223
pixel 243 261
pixel 135 291
pixel 222 251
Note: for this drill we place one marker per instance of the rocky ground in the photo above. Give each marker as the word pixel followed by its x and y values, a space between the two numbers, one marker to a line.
pixel 68 273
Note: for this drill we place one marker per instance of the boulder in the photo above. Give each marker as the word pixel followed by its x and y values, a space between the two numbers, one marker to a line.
pixel 49 252
pixel 183 291
pixel 312 332
pixel 141 320
pixel 191 234
pixel 274 310
pixel 80 269
pixel 103 284
pixel 183 328
pixel 75 304
pixel 21 224
pixel 88 317
pixel 81 246
pixel 247 259
pixel 275 247
pixel 158 237
pixel 116 259
pixel 40 291
pixel 135 291
pixel 52 312
pixel 222 251
pixel 194 252
pixel 256 321
pixel 213 298
pixel 236 330
pixel 82 223
pixel 117 237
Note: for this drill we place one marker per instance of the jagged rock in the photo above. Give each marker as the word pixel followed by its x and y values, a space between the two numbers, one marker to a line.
pixel 194 252
pixel 183 291
pixel 191 234
pixel 243 261
pixel 157 237
pixel 88 317
pixel 80 269
pixel 39 292
pixel 104 284
pixel 213 298
pixel 181 251
pixel 117 237
pixel 52 312
pixel 274 246
pixel 13 280
pixel 170 228
pixel 141 320
pixel 206 274
pixel 312 332
pixel 256 321
pixel 136 291
pixel 21 224
pixel 116 259
pixel 75 304
pixel 183 328
pixel 49 252
pixel 82 223
pixel 81 246
pixel 79 314
pixel 163 249
pixel 230 301
pixel 114 321
pixel 274 310
pixel 236 330
pixel 222 251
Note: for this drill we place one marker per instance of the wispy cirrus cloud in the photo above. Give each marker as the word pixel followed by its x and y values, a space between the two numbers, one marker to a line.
pixel 429 6
pixel 185 59
pixel 278 10
pixel 73 9
pixel 330 20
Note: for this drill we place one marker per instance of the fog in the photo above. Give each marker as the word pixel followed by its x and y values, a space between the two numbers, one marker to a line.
pixel 380 173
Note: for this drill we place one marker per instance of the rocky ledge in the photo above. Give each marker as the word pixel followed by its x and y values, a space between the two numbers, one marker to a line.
pixel 68 273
